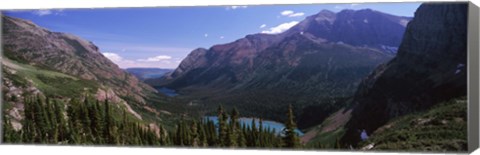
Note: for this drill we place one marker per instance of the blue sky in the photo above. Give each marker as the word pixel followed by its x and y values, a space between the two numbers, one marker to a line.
pixel 161 37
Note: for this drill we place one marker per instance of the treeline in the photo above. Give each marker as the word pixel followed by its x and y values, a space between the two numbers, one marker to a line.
pixel 310 109
pixel 229 132
pixel 93 122
pixel 49 121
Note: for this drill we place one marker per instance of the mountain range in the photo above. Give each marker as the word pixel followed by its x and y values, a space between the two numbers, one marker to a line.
pixel 148 73
pixel 319 60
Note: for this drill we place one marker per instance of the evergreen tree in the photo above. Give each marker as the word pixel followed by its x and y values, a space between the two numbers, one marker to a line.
pixel 86 122
pixel 29 132
pixel 242 141
pixel 253 134
pixel 96 122
pixel 61 124
pixel 222 127
pixel 212 136
pixel 52 121
pixel 73 123
pixel 290 139
pixel 202 137
pixel 108 124
pixel 41 123
pixel 194 134
pixel 234 129
pixel 124 127
pixel 261 137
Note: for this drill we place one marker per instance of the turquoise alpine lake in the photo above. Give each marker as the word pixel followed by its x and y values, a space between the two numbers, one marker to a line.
pixel 278 127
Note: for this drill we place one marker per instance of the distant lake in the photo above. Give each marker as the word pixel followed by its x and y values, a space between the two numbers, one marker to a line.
pixel 266 123
pixel 152 75
pixel 168 92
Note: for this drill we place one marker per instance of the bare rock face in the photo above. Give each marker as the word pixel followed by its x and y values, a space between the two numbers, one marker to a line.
pixel 429 68
pixel 28 43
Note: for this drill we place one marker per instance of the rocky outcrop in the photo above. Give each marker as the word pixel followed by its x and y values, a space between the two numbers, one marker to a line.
pixel 13 97
pixel 429 68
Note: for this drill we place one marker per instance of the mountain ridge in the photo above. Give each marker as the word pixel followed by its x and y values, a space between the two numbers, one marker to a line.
pixel 251 44
pixel 64 66
pixel 29 43
pixel 245 49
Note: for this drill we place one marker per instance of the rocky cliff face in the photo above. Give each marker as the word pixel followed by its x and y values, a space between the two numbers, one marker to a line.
pixel 28 43
pixel 429 68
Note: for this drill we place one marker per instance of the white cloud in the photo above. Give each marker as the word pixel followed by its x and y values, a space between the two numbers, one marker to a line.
pixel 161 61
pixel 290 13
pixel 280 28
pixel 47 12
pixel 127 54
pixel 236 7
pixel 205 35
pixel 113 56
pixel 221 37
pixel 286 12
pixel 42 12
pixel 298 14
pixel 156 58
pixel 117 59
pixel 263 25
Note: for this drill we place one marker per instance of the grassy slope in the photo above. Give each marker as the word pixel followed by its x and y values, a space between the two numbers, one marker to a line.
pixel 52 83
pixel 442 128
pixel 49 82
pixel 329 132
